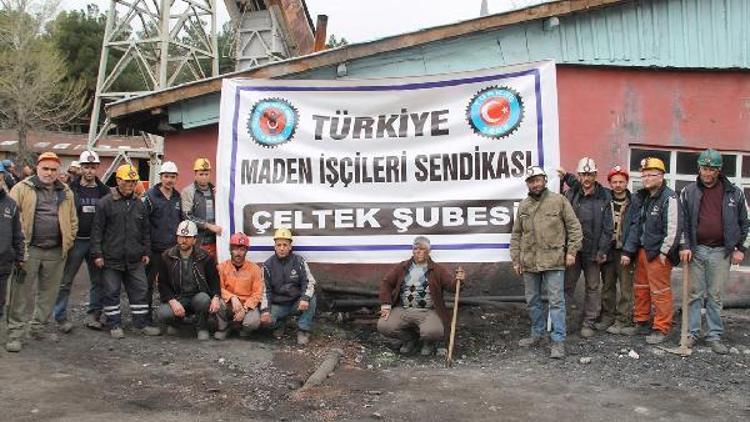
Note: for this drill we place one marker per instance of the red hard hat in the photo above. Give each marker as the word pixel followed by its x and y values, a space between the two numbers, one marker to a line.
pixel 618 170
pixel 239 239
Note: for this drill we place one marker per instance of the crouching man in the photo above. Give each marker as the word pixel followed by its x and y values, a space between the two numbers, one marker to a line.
pixel 241 290
pixel 411 297
pixel 289 288
pixel 188 282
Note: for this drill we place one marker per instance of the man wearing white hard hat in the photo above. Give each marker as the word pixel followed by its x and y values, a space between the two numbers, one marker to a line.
pixel 164 208
pixel 188 282
pixel 87 191
pixel 545 239
pixel 591 203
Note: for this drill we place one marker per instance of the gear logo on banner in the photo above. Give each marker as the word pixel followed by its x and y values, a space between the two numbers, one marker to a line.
pixel 273 121
pixel 495 112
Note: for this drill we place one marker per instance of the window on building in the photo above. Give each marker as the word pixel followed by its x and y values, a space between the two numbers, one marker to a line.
pixel 682 169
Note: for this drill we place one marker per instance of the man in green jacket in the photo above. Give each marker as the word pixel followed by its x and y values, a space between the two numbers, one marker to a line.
pixel 546 238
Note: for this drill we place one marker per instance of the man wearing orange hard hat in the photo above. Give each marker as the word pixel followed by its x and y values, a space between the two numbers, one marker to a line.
pixel 49 224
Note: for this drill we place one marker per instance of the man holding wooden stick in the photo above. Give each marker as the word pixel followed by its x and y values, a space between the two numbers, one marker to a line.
pixel 411 296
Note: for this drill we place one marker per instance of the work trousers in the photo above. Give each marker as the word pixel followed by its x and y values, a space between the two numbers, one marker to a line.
pixel 709 271
pixel 225 319
pixel 152 273
pixel 614 276
pixel 76 256
pixel 403 323
pixel 44 269
pixel 196 304
pixel 653 288
pixel 134 280
pixel 592 300
pixel 4 276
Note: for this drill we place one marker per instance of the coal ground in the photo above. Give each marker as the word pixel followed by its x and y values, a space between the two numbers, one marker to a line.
pixel 87 376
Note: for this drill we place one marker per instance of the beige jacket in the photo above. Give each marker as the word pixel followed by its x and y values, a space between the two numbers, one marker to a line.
pixel 545 229
pixel 24 193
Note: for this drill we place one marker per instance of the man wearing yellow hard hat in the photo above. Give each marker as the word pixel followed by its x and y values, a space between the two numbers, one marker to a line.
pixel 199 206
pixel 121 244
pixel 289 289
pixel 49 223
pixel 653 242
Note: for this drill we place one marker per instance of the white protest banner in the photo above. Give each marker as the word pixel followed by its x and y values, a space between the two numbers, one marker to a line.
pixel 358 168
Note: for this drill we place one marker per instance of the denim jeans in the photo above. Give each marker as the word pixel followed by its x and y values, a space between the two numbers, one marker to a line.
pixel 709 270
pixel 77 254
pixel 553 282
pixel 304 322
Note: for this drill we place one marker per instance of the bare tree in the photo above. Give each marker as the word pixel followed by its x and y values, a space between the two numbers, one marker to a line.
pixel 34 91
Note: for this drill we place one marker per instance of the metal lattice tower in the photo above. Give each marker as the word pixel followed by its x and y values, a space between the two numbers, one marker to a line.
pixel 157 43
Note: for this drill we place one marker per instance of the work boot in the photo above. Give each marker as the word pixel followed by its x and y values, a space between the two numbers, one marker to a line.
pixel 717 347
pixel 303 337
pixel 529 341
pixel 117 333
pixel 279 332
pixel 587 332
pixel 408 347
pixel 602 325
pixel 221 335
pixel 92 321
pixel 557 351
pixel 172 330
pixel 629 330
pixel 615 328
pixel 691 342
pixel 655 338
pixel 642 328
pixel 428 348
pixel 150 331
pixel 13 346
pixel 244 333
pixel 64 326
pixel 203 335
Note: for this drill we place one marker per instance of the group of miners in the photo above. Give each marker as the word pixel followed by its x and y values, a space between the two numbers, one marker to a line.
pixel 50 225
pixel 625 245
pixel 628 243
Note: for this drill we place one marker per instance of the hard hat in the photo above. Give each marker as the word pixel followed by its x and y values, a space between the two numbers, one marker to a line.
pixel 127 172
pixel 187 228
pixel 202 164
pixel 586 165
pixel 89 157
pixel 2 167
pixel 653 163
pixel 618 170
pixel 168 167
pixel 282 233
pixel 48 156
pixel 710 158
pixel 239 239
pixel 535 171
pixel 75 164
pixel 7 163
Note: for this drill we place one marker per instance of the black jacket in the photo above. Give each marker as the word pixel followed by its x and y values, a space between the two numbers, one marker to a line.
pixel 656 224
pixel 164 215
pixel 733 210
pixel 287 280
pixel 601 242
pixel 11 235
pixel 170 278
pixel 120 233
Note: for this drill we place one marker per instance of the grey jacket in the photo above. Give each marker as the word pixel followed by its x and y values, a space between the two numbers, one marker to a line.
pixel 194 209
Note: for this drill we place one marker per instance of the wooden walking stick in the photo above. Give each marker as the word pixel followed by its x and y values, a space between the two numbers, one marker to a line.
pixel 449 356
pixel 683 349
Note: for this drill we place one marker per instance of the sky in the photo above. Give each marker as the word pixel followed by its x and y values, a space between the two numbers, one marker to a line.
pixel 363 20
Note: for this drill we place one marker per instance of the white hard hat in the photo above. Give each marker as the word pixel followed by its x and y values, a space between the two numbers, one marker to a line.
pixel 168 167
pixel 187 228
pixel 89 157
pixel 535 171
pixel 586 165
pixel 75 164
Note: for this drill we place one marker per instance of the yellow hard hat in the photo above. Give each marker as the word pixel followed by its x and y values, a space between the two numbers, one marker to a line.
pixel 127 172
pixel 282 233
pixel 202 164
pixel 653 163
